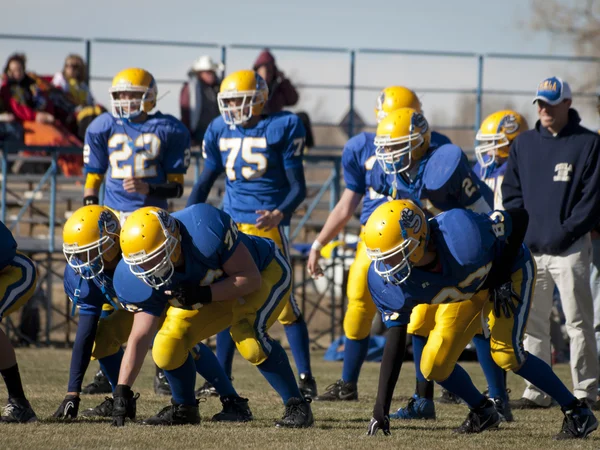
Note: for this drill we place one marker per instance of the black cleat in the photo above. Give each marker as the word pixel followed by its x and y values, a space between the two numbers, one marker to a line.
pixel 104 409
pixel 206 390
pixel 449 398
pixel 307 385
pixel 161 385
pixel 503 408
pixel 18 410
pixel 579 421
pixel 176 415
pixel 235 409
pixel 298 414
pixel 480 419
pixel 340 390
pixel 100 385
pixel 375 426
pixel 525 403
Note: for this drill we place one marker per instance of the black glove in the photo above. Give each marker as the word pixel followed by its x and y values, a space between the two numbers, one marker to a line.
pixel 124 405
pixel 90 200
pixel 69 408
pixel 505 300
pixel 376 425
pixel 188 295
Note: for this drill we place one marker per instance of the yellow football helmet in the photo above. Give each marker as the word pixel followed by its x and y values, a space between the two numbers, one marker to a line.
pixel 396 236
pixel 404 132
pixel 150 242
pixel 91 239
pixel 393 98
pixel 133 80
pixel 243 94
pixel 496 133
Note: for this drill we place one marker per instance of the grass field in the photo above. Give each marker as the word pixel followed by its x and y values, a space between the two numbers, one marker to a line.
pixel 337 425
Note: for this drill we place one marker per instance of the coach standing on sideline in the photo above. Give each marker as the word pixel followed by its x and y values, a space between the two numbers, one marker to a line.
pixel 554 173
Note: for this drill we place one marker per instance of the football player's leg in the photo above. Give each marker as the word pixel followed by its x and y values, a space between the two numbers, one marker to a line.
pixel 17 285
pixel 494 374
pixel 225 350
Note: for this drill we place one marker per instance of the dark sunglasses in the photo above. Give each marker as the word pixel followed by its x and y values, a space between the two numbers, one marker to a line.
pixel 73 66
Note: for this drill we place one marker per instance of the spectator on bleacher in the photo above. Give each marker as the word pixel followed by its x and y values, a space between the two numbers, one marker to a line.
pixel 282 92
pixel 198 97
pixel 10 129
pixel 554 173
pixel 21 94
pixel 72 81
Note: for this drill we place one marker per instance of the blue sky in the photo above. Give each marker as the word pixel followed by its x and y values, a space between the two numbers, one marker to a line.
pixel 462 25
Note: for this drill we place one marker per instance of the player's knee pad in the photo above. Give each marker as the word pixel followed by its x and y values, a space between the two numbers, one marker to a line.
pixel 422 320
pixel 168 352
pixel 437 362
pixel 248 343
pixel 506 359
pixel 104 345
pixel 290 313
pixel 358 319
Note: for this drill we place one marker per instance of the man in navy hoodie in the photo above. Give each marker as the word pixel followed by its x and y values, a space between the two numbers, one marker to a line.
pixel 554 173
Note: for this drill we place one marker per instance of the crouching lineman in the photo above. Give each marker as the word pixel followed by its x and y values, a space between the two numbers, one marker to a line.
pixel 92 248
pixel 18 278
pixel 478 262
pixel 216 277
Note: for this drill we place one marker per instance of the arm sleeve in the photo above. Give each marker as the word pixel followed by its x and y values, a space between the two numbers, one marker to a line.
pixel 584 215
pixel 294 143
pixel 354 172
pixel 203 186
pixel 178 154
pixel 210 151
pixel 512 196
pixel 95 151
pixel 82 350
pixel 297 194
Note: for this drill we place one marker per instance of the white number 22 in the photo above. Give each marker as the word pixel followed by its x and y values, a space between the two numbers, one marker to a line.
pixel 144 162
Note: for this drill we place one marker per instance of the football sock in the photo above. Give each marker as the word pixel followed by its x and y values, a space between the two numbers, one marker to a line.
pixel 207 365
pixel 424 389
pixel 494 374
pixel 460 383
pixel 355 352
pixel 183 381
pixel 297 336
pixel 540 374
pixel 278 372
pixel 391 364
pixel 110 366
pixel 225 351
pixel 12 379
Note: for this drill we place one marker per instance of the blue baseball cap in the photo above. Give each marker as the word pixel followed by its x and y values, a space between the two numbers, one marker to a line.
pixel 553 91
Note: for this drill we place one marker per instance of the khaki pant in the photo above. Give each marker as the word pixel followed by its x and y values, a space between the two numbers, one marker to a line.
pixel 570 271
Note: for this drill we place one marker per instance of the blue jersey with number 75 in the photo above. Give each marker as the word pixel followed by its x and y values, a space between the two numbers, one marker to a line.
pixel 255 160
pixel 151 150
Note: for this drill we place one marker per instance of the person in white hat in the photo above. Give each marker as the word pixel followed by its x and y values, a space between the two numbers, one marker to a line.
pixel 198 98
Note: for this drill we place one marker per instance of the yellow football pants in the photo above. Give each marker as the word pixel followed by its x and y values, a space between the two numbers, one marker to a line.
pixel 291 312
pixel 249 318
pixel 17 284
pixel 457 323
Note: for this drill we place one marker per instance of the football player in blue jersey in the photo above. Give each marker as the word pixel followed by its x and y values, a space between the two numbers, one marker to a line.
pixel 261 156
pixel 18 278
pixel 216 277
pixel 358 158
pixel 92 248
pixel 439 178
pixel 144 155
pixel 494 137
pixel 477 265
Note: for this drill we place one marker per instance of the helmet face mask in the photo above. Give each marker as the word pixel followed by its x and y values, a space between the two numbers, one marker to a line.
pixel 398 272
pixel 88 260
pixel 495 135
pixel 488 144
pixel 156 268
pixel 395 155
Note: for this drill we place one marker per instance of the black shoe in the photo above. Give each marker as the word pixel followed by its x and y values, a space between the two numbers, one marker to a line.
pixel 104 409
pixel 340 390
pixel 176 415
pixel 525 403
pixel 18 410
pixel 100 385
pixel 206 390
pixel 480 419
pixel 448 397
pixel 235 409
pixel 161 385
pixel 503 408
pixel 579 421
pixel 307 385
pixel 375 426
pixel 298 414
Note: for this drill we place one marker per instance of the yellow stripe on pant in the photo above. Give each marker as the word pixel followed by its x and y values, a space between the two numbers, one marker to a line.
pixel 249 318
pixel 17 284
pixel 291 312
